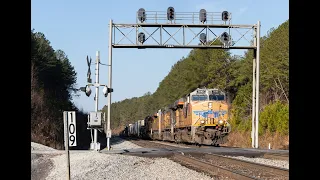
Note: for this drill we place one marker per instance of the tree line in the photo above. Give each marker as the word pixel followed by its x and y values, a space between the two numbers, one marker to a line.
pixel 53 81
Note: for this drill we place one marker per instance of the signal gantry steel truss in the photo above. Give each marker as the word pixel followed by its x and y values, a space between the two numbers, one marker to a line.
pixel 210 31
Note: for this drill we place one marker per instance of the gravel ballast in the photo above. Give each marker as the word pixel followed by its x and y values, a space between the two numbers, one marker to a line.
pixel 40 147
pixel 124 145
pixel 41 164
pixel 270 162
pixel 94 165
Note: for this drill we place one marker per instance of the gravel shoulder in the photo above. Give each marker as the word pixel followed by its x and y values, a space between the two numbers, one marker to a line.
pixel 41 164
pixel 94 165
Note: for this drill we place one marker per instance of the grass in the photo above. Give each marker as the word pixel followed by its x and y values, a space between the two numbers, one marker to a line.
pixel 243 140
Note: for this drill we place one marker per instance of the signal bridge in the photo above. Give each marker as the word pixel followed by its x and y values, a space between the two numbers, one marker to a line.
pixel 152 31
pixel 208 30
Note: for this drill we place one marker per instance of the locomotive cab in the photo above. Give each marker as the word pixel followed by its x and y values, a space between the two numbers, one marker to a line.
pixel 209 107
pixel 209 116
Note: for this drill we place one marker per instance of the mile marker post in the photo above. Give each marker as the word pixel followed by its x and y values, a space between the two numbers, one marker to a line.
pixel 69 118
pixel 66 142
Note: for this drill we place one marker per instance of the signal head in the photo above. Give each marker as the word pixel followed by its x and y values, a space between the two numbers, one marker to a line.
pixel 141 15
pixel 141 37
pixel 225 16
pixel 203 15
pixel 225 37
pixel 203 38
pixel 86 90
pixel 105 91
pixel 170 13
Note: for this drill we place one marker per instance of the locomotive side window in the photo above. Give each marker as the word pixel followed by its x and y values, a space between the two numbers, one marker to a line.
pixel 216 97
pixel 199 97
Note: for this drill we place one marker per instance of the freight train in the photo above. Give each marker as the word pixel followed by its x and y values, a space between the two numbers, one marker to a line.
pixel 200 118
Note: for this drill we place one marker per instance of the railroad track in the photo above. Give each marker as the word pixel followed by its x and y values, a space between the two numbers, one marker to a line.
pixel 276 156
pixel 170 145
pixel 220 166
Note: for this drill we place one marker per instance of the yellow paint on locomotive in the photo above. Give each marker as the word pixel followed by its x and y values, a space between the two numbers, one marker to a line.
pixel 167 119
pixel 194 113
pixel 203 115
pixel 155 123
pixel 177 114
pixel 182 119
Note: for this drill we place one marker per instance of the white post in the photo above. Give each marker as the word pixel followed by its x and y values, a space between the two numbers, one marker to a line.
pixel 253 101
pixel 96 98
pixel 160 116
pixel 66 142
pixel 95 137
pixel 257 85
pixel 109 83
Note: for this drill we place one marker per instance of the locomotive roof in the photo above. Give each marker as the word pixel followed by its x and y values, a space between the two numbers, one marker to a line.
pixel 198 91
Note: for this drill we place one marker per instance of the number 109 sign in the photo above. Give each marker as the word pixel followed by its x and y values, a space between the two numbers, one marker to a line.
pixel 71 127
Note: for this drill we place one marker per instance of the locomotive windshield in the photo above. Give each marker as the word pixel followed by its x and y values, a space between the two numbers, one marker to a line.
pixel 199 97
pixel 216 97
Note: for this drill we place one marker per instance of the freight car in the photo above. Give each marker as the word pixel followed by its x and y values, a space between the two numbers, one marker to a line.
pixel 137 129
pixel 201 118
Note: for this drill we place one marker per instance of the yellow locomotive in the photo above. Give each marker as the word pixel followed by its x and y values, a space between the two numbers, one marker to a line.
pixel 201 117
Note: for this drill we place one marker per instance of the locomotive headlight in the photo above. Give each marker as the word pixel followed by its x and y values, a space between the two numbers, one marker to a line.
pixel 202 121
pixel 220 122
pixel 210 105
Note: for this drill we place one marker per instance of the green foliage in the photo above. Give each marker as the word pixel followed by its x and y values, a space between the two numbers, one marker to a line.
pixel 246 125
pixel 275 117
pixel 274 75
pixel 241 105
pixel 217 68
pixel 53 81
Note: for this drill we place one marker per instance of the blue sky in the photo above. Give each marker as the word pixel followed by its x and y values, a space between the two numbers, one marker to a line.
pixel 80 28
